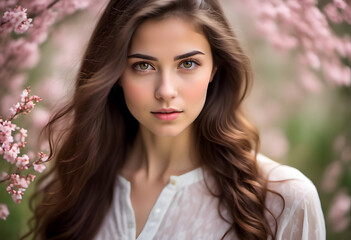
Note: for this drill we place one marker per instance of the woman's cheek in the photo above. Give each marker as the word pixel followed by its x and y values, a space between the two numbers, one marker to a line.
pixel 135 95
pixel 198 91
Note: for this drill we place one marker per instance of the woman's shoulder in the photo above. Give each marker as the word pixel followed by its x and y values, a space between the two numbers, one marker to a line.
pixel 292 184
pixel 300 213
pixel 286 175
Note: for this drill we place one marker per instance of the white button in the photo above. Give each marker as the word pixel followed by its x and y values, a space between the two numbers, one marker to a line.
pixel 174 182
pixel 157 211
pixel 130 225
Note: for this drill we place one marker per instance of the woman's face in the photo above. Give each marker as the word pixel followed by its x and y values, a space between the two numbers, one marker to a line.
pixel 167 75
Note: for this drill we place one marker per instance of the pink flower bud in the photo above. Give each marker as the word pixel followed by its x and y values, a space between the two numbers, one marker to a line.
pixel 17 197
pixel 3 176
pixel 43 157
pixel 4 211
pixel 340 4
pixel 39 167
pixel 24 95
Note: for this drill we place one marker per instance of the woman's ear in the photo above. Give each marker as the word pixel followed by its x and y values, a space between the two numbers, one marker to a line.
pixel 214 70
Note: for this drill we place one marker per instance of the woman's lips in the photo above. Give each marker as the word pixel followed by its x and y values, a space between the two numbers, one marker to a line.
pixel 168 114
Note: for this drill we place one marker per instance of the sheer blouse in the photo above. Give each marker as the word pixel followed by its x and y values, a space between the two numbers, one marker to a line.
pixel 185 209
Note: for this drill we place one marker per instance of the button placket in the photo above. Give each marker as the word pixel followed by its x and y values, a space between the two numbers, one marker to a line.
pixel 130 214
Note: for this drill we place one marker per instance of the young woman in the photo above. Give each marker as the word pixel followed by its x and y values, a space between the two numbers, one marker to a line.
pixel 153 144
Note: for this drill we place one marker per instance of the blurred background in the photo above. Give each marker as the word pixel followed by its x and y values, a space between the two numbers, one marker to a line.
pixel 300 101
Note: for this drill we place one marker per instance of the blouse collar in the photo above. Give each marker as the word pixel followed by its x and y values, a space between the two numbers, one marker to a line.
pixel 175 182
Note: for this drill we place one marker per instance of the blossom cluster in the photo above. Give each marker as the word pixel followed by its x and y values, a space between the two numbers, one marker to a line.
pixel 338 11
pixel 16 20
pixel 300 25
pixel 12 140
pixel 18 53
pixel 26 104
pixel 21 52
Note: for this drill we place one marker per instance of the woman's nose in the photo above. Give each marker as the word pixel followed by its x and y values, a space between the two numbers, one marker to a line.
pixel 166 88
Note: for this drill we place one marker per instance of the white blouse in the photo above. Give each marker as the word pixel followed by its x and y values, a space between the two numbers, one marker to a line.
pixel 186 210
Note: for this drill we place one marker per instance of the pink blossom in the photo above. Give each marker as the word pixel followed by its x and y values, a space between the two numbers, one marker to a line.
pixel 18 19
pixel 14 109
pixel 284 41
pixel 43 157
pixel 39 32
pixel 333 14
pixel 308 3
pixel 31 177
pixel 4 211
pixel 331 176
pixel 4 147
pixel 23 27
pixel 23 161
pixel 283 12
pixel 17 196
pixel 23 133
pixel 338 211
pixel 7 4
pixel 29 105
pixel 3 176
pixel 11 154
pixel 70 6
pixel 294 5
pixel 26 54
pixel 39 167
pixel 24 95
pixel 347 14
pixel 340 4
pixel 21 136
pixel 268 10
pixel 267 27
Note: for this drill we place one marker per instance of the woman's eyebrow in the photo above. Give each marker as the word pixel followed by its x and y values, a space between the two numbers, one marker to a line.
pixel 143 56
pixel 147 57
pixel 189 54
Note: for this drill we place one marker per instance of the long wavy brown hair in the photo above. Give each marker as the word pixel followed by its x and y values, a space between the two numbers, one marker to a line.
pixel 90 136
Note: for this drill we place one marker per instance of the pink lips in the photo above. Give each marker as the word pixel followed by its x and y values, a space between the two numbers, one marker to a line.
pixel 167 114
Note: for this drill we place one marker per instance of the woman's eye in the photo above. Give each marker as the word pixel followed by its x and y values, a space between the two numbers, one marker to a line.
pixel 143 66
pixel 188 64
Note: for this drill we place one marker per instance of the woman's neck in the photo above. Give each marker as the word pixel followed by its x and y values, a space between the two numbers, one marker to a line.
pixel 156 158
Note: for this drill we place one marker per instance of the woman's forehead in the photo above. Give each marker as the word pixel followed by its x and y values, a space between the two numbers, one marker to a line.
pixel 172 35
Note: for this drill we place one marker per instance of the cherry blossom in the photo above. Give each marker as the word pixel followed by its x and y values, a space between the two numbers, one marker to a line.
pixel 300 25
pixel 338 216
pixel 39 167
pixel 4 211
pixel 10 149
pixel 16 19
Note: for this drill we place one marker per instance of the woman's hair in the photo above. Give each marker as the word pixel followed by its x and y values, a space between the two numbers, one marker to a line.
pixel 90 136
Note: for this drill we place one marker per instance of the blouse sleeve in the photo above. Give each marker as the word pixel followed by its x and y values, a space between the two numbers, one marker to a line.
pixel 300 215
pixel 305 218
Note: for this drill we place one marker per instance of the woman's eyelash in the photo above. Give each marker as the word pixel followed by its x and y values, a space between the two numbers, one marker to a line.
pixel 137 66
pixel 190 60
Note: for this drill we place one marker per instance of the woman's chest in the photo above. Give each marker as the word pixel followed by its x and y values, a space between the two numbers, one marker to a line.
pixel 143 198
